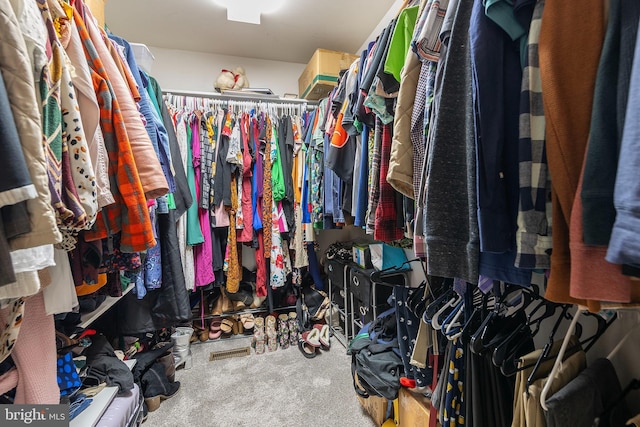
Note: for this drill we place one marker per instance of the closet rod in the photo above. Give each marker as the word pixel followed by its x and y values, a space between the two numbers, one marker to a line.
pixel 239 97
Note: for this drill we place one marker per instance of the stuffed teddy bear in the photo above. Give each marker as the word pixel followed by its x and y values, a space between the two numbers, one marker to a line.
pixel 232 80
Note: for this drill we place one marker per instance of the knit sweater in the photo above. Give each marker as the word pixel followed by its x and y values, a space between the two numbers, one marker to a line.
pixel 570 43
pixel 451 230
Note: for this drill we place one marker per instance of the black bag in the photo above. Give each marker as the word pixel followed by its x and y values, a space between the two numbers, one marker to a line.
pixel 311 307
pixel 376 365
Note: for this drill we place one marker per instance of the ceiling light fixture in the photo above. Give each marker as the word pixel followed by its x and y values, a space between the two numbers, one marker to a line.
pixel 249 11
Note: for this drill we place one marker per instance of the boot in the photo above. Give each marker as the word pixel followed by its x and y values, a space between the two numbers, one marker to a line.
pixel 227 305
pixel 217 306
pixel 169 366
pixel 258 341
pixel 293 328
pixel 271 333
pixel 283 331
pixel 181 350
pixel 156 387
pixel 257 301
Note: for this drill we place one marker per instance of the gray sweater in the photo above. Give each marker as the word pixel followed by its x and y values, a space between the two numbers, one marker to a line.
pixel 450 204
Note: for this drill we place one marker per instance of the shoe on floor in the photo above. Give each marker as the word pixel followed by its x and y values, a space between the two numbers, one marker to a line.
pixel 156 387
pixel 306 349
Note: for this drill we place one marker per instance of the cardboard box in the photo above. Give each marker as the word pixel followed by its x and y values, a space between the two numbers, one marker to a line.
pixel 97 9
pixel 376 407
pixel 413 409
pixel 322 72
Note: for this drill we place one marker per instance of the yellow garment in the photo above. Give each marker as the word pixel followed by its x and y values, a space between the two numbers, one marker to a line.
pixel 233 274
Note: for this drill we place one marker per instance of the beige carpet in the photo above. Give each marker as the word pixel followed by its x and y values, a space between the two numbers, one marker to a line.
pixel 279 389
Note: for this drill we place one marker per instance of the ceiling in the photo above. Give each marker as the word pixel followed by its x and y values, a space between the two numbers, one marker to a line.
pixel 291 34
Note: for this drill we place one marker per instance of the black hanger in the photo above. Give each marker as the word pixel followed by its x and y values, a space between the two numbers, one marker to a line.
pixel 603 325
pixel 548 345
pixel 524 344
pixel 433 307
pixel 498 323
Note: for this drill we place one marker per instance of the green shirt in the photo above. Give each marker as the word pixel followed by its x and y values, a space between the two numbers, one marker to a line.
pixel 401 41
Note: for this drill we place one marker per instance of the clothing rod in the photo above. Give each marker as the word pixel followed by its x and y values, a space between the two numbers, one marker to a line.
pixel 239 97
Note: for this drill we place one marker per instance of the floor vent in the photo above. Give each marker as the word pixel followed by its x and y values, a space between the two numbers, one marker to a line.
pixel 228 354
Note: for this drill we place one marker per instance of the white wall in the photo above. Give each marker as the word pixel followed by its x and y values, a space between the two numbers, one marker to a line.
pixel 196 71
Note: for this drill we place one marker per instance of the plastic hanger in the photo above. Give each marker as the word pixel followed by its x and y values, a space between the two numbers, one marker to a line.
pixel 453 302
pixel 548 344
pixel 436 305
pixel 603 325
pixel 558 362
pixel 453 328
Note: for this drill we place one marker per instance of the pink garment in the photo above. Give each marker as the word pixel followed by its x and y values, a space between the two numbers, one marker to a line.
pixel 246 235
pixel 282 220
pixel 261 270
pixel 592 277
pixel 35 357
pixel 202 253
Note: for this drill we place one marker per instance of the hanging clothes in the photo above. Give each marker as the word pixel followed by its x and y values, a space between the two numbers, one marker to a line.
pixel 567 108
pixel 129 214
pixel 248 159
pixel 202 253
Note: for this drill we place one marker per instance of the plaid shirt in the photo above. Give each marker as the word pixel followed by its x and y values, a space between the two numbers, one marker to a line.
pixel 533 238
pixel 374 177
pixel 208 135
pixel 386 225
pixel 129 214
pixel 427 38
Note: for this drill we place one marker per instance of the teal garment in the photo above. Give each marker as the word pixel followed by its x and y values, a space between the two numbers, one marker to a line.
pixel 153 96
pixel 194 233
pixel 401 41
pixel 501 12
pixel 277 174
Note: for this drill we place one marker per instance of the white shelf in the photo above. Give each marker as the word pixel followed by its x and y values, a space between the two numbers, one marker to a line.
pixel 101 401
pixel 90 416
pixel 88 318
pixel 130 363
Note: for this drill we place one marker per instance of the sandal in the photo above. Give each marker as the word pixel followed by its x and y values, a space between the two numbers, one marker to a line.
pixel 214 329
pixel 323 336
pixel 306 349
pixel 312 337
pixel 227 325
pixel 248 321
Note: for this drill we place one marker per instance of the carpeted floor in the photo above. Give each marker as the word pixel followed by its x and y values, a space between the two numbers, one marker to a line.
pixel 280 389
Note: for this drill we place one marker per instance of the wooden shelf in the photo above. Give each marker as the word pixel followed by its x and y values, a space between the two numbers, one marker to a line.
pixel 88 318
pixel 101 401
